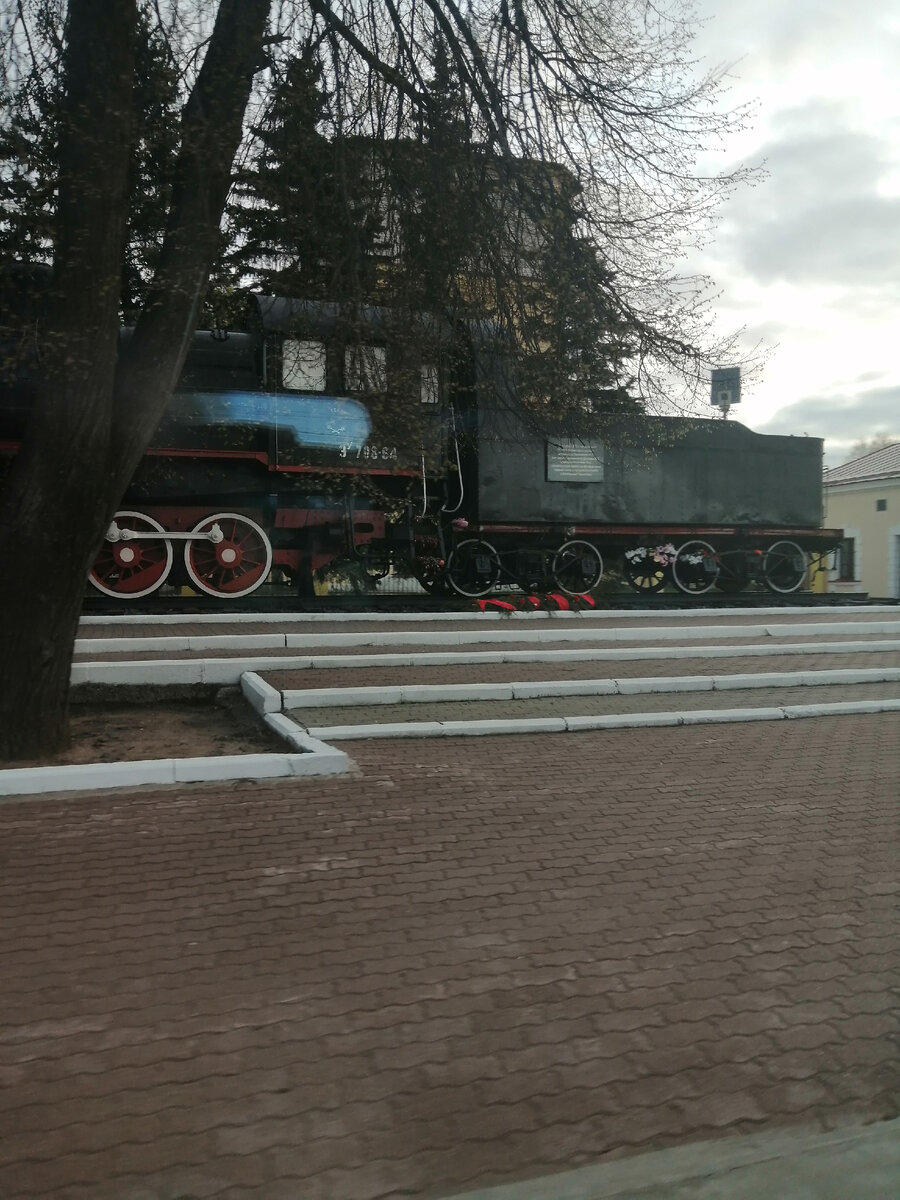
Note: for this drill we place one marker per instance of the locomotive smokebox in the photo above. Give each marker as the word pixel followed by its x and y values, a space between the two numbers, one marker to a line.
pixel 725 387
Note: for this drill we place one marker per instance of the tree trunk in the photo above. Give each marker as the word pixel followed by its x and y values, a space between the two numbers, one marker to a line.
pixel 54 496
pixel 211 133
pixel 46 556
pixel 97 407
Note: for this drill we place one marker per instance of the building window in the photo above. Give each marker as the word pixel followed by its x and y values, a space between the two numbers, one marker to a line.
pixel 881 505
pixel 365 368
pixel 570 460
pixel 303 365
pixel 847 559
pixel 430 392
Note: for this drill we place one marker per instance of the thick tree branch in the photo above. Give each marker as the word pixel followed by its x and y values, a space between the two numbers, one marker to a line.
pixel 211 133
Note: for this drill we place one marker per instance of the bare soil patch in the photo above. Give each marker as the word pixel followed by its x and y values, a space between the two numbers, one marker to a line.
pixel 160 724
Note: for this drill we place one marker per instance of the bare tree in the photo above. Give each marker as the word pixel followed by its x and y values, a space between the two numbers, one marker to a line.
pixel 603 89
pixel 864 446
pixel 97 406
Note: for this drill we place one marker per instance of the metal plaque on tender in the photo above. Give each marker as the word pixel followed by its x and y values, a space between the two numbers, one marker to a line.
pixel 570 460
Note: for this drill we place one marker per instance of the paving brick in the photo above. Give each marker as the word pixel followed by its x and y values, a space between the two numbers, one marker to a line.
pixel 869 1002
pixel 871 1025
pixel 748 1023
pixel 718 1110
pixel 491 968
pixel 738 1048
pixel 805 1037
pixel 793 1096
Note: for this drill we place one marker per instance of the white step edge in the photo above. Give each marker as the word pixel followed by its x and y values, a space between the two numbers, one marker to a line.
pixel 224 671
pixel 526 725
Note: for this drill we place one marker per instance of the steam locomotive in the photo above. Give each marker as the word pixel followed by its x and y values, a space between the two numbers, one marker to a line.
pixel 307 441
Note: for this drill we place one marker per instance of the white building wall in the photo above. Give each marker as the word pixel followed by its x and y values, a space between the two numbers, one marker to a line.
pixel 853 507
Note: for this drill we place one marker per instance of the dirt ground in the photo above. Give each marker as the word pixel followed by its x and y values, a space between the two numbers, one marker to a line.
pixel 163 726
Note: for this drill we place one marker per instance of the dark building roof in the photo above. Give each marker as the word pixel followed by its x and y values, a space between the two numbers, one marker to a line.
pixel 877 464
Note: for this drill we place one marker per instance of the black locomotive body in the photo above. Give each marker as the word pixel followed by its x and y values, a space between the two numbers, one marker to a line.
pixel 697 503
pixel 308 439
pixel 652 471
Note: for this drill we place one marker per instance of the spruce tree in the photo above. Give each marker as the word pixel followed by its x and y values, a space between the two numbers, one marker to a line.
pixel 301 221
pixel 29 162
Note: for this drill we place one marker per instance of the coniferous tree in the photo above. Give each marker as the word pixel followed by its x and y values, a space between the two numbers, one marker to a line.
pixel 152 166
pixel 28 169
pixel 446 210
pixel 301 220
pixel 29 163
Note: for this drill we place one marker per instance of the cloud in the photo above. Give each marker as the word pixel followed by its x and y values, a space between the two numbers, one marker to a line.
pixel 842 420
pixel 773 36
pixel 819 216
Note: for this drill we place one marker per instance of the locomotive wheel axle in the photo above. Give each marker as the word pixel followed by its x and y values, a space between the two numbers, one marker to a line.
pixel 117 534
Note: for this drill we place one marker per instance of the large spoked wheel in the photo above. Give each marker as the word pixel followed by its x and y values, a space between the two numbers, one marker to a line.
pixel 577 568
pixel 645 574
pixel 696 568
pixel 784 567
pixel 235 565
pixel 473 568
pixel 128 569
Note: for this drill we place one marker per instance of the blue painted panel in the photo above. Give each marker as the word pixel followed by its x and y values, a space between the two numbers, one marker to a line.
pixel 313 421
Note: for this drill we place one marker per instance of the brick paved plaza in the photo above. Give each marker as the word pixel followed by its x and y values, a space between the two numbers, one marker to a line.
pixel 475 961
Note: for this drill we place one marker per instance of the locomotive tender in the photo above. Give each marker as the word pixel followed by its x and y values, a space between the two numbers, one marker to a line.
pixel 308 441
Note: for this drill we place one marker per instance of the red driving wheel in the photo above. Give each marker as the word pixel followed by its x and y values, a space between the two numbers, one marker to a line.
pixel 127 569
pixel 236 563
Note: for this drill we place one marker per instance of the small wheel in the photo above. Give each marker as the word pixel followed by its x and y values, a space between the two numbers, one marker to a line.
pixel 473 568
pixel 733 573
pixel 696 568
pixel 234 566
pixel 375 568
pixel 577 568
pixel 430 574
pixel 128 569
pixel 784 567
pixel 645 574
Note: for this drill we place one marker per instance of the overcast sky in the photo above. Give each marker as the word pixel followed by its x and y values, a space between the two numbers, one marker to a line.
pixel 809 258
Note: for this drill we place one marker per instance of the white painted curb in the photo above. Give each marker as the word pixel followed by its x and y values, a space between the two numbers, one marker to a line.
pixel 261 696
pixel 309 756
pixel 31 781
pixel 616 721
pixel 328 760
pixel 451 692
pixel 468 637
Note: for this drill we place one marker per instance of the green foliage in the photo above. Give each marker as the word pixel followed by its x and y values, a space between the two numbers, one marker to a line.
pixel 29 160
pixel 156 114
pixel 576 343
pixel 28 167
pixel 302 220
pixel 430 222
